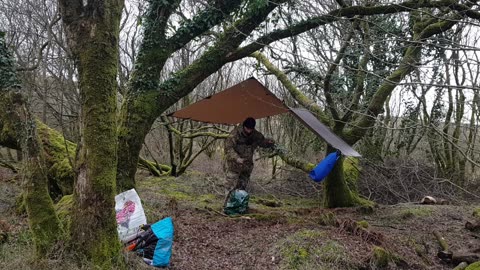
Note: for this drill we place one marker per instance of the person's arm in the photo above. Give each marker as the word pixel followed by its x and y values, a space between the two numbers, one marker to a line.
pixel 265 142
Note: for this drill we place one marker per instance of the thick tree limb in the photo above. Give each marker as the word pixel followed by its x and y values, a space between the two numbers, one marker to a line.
pixel 192 135
pixel 441 241
pixel 154 168
pixel 296 162
pixel 156 48
pixel 211 16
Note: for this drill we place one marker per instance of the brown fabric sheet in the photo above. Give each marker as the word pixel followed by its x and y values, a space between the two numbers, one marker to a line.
pixel 233 105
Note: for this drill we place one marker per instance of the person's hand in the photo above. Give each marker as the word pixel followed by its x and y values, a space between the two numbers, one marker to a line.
pixel 240 160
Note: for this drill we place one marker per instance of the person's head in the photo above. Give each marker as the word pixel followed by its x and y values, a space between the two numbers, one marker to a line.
pixel 249 125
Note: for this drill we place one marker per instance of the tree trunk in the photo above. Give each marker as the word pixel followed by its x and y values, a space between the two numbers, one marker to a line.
pixel 92 34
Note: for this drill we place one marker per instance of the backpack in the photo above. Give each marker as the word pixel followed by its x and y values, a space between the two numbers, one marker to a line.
pixel 237 203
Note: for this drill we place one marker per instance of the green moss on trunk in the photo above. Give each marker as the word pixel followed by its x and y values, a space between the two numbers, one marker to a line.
pixel 59 154
pixel 336 191
pixel 136 120
pixel 340 187
pixel 42 219
pixel 63 208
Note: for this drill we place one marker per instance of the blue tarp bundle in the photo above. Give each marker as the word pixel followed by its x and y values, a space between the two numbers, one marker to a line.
pixel 155 243
pixel 163 230
pixel 325 166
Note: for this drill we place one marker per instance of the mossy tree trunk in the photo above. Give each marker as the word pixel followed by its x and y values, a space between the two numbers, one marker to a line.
pixel 335 189
pixel 18 127
pixel 92 34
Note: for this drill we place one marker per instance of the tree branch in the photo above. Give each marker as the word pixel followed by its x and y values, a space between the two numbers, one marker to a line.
pixel 296 94
pixel 339 14
pixel 407 65
pixel 202 22
pixel 196 134
pixel 331 69
pixel 360 78
pixel 40 50
pixel 71 10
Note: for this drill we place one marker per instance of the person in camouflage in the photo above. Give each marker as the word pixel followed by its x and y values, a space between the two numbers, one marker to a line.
pixel 239 149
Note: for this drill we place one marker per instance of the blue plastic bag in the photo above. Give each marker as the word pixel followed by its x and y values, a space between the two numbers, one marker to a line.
pixel 163 230
pixel 324 167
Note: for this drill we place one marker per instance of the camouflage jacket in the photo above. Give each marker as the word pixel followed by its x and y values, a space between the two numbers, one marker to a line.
pixel 239 145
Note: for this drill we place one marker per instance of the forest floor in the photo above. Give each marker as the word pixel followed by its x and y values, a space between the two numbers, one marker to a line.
pixel 280 232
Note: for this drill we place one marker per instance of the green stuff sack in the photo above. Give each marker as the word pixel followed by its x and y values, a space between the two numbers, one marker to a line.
pixel 237 203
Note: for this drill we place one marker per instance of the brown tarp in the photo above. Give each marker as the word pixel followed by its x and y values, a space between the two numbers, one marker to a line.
pixel 251 99
pixel 309 120
pixel 231 106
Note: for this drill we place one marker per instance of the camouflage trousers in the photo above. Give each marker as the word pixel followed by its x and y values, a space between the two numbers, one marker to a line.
pixel 237 179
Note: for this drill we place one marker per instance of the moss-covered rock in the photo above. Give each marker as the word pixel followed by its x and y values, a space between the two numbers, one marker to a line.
pixel 473 266
pixel 363 224
pixel 328 219
pixel 415 212
pixel 267 202
pixel 207 198
pixel 476 212
pixel 309 249
pixel 380 257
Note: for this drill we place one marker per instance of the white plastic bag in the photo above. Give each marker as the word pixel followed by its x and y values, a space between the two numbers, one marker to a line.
pixel 130 215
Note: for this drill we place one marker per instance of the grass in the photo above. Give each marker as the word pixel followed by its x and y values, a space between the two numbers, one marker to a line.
pixel 415 212
pixel 311 249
